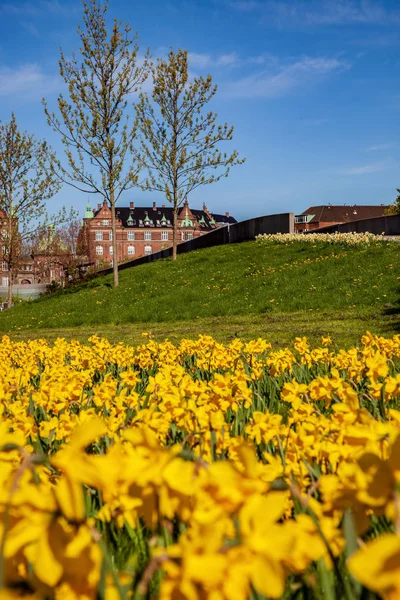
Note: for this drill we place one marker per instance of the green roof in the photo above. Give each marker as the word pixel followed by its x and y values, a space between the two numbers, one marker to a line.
pixel 88 212
pixel 186 221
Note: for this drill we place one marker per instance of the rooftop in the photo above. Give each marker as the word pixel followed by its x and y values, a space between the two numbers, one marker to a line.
pixel 341 213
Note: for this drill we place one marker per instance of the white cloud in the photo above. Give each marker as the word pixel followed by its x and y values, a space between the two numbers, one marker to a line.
pixel 379 147
pixel 228 60
pixel 36 8
pixel 27 81
pixel 315 122
pixel 284 78
pixel 199 61
pixel 286 13
pixel 30 28
pixel 364 169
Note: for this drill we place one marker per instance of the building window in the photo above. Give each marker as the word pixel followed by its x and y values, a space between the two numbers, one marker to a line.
pixel 131 236
pixel 110 236
pixel 4 266
pixel 111 250
pixel 99 250
pixel 99 236
pixel 4 281
pixel 164 236
pixel 52 275
pixel 148 250
pixel 190 235
pixel 183 236
pixel 147 235
pixel 106 222
pixel 131 250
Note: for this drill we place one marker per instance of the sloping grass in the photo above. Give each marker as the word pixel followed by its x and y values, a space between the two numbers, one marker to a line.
pixel 246 282
pixel 344 326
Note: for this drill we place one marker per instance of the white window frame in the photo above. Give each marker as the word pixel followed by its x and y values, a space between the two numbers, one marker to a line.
pixel 190 235
pixel 147 236
pixel 110 236
pixel 4 266
pixel 99 251
pixel 148 250
pixel 111 250
pixel 131 251
pixel 131 236
pixel 106 222
pixel 165 236
pixel 99 236
pixel 182 236
pixel 4 281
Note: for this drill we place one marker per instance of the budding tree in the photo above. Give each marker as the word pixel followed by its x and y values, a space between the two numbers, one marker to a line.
pixel 93 121
pixel 180 139
pixel 59 241
pixel 27 180
pixel 394 209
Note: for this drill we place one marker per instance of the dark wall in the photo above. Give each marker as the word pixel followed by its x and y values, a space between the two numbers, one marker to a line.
pixel 389 225
pixel 231 234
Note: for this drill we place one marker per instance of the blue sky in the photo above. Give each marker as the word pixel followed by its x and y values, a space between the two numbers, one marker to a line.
pixel 311 86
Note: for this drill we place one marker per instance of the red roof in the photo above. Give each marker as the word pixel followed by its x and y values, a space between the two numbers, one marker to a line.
pixel 334 213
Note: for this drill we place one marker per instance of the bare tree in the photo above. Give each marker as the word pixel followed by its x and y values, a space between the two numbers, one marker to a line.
pixel 179 138
pixel 93 122
pixel 58 242
pixel 27 180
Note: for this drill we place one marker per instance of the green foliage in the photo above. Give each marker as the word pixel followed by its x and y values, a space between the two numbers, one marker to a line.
pixel 394 209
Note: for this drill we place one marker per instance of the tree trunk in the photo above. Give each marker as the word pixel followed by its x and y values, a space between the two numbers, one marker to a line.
pixel 10 243
pixel 114 239
pixel 10 284
pixel 175 233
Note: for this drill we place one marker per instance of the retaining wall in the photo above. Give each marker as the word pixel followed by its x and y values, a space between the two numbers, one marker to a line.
pixel 231 234
pixel 389 225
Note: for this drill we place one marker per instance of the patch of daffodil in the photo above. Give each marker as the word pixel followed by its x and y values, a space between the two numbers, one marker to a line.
pixel 199 471
pixel 345 239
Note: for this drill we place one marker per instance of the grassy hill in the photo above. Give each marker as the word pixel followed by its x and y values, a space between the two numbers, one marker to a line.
pixel 280 291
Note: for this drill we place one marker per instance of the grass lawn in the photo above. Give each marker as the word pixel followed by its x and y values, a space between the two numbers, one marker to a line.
pixel 250 289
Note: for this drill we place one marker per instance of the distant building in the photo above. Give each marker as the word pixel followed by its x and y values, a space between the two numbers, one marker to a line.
pixel 144 230
pixel 316 217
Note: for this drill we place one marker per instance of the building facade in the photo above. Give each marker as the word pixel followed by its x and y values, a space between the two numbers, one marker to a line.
pixel 317 217
pixel 143 230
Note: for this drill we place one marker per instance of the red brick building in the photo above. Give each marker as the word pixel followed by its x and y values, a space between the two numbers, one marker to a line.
pixel 143 230
pixel 316 217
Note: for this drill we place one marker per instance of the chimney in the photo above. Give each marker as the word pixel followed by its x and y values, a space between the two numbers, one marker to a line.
pixel 227 214
pixel 99 206
pixel 163 206
pixel 154 206
pixel 205 207
pixel 131 205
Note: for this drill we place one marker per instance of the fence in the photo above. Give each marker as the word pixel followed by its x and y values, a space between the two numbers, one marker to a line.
pixel 231 234
pixel 389 225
